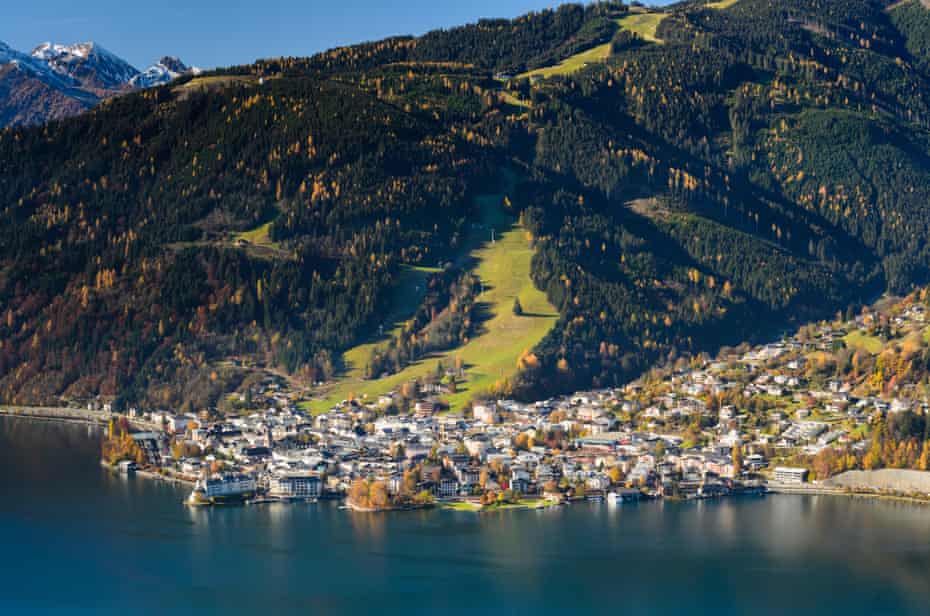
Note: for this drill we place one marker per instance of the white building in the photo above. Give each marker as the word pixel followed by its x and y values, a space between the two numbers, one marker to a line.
pixel 296 485
pixel 785 474
pixel 486 413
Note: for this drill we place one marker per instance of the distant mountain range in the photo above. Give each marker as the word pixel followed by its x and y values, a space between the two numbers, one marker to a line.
pixel 57 81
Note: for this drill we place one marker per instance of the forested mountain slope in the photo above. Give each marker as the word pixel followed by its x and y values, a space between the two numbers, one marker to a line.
pixel 763 160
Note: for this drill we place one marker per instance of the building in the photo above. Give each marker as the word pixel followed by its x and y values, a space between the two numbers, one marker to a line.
pixel 605 441
pixel 785 474
pixel 486 413
pixel 447 487
pixel 152 445
pixel 228 486
pixel 424 408
pixel 296 485
pixel 468 476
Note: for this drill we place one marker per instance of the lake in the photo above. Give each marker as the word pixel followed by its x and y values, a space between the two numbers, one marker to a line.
pixel 78 539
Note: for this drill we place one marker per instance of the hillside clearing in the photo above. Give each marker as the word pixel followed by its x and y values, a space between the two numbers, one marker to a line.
pixel 504 269
pixel 643 24
pixel 722 4
pixel 258 235
pixel 861 340
pixel 571 64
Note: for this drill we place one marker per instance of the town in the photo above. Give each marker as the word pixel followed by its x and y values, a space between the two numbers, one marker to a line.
pixel 833 397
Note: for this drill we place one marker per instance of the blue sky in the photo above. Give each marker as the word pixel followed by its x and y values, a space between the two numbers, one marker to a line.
pixel 209 33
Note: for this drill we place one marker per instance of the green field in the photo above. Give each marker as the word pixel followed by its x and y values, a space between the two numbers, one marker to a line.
pixel 504 269
pixel 215 81
pixel 722 4
pixel 643 24
pixel 258 235
pixel 859 340
pixel 570 65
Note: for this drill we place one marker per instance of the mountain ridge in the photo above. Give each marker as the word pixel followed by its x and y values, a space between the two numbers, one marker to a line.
pixel 720 170
pixel 56 81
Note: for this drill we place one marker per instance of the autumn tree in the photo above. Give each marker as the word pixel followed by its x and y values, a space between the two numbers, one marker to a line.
pixel 358 493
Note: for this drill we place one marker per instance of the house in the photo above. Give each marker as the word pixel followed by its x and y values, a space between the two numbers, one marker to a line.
pixel 720 465
pixel 468 476
pixel 598 481
pixel 755 462
pixel 386 400
pixel 191 466
pixel 477 444
pixel 486 413
pixel 254 455
pixel 546 472
pixel 521 485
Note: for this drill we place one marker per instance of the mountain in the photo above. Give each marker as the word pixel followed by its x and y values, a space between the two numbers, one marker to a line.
pixel 33 67
pixel 87 63
pixel 671 180
pixel 58 81
pixel 32 93
pixel 164 71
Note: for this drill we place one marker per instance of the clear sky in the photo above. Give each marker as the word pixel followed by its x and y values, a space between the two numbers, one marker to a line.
pixel 210 33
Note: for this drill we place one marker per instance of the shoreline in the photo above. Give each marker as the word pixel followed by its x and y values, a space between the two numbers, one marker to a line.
pixel 73 416
pixel 150 475
pixel 862 493
pixel 57 414
pixel 350 506
pixel 69 415
pixel 857 491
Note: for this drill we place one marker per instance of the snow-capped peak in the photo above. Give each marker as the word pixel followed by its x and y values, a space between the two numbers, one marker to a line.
pixel 164 71
pixel 48 51
pixel 86 62
pixel 33 66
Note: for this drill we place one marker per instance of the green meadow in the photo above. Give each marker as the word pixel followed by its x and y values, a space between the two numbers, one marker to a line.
pixel 503 266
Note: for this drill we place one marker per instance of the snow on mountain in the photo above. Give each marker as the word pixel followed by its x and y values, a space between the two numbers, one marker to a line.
pixel 87 62
pixel 166 70
pixel 34 67
pixel 57 81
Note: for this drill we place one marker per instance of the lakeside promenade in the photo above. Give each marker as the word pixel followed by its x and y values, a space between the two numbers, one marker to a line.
pixel 71 415
pixel 51 413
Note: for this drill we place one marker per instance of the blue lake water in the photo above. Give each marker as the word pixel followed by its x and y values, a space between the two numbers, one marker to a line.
pixel 77 539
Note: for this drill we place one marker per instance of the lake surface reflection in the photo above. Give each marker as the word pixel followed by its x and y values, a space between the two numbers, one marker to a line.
pixel 78 539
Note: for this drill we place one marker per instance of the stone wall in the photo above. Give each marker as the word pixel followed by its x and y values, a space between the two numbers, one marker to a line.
pixel 898 480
